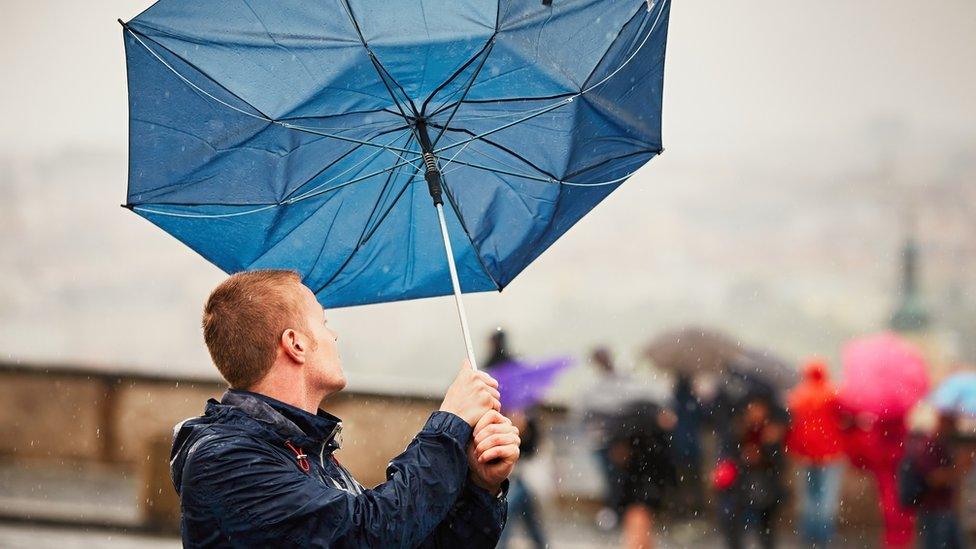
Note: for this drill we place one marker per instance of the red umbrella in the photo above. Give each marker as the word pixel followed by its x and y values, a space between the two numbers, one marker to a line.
pixel 884 376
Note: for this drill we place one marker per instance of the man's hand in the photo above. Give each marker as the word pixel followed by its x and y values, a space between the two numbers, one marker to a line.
pixel 493 451
pixel 471 395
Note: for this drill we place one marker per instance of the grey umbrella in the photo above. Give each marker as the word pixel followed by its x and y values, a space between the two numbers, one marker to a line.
pixel 692 350
pixel 765 367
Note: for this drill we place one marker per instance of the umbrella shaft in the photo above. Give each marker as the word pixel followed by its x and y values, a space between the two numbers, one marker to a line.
pixel 462 316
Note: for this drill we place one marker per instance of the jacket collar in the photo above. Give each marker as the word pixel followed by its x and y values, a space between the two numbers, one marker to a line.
pixel 287 421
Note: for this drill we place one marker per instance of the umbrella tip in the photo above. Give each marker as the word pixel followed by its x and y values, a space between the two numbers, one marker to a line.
pixel 121 22
pixel 126 206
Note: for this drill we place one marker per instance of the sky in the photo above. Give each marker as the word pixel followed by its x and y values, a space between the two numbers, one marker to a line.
pixel 795 134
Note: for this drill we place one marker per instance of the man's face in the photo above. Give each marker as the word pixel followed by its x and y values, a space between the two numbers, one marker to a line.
pixel 324 360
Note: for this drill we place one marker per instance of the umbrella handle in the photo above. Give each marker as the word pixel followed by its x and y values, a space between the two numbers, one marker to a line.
pixel 462 316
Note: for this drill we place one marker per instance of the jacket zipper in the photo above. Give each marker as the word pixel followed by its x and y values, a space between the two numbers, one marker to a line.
pixel 350 485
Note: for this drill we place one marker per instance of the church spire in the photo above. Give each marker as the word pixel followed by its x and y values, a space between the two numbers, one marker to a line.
pixel 910 315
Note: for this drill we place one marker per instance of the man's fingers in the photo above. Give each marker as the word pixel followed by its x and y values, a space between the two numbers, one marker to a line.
pixel 500 439
pixel 486 419
pixel 493 429
pixel 492 382
pixel 506 452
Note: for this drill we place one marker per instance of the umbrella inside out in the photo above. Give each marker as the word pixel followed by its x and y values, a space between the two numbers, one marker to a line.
pixel 523 384
pixel 692 350
pixel 957 393
pixel 357 141
pixel 884 375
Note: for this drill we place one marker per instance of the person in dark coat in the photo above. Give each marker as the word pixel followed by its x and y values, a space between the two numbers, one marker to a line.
pixel 640 449
pixel 935 459
pixel 686 446
pixel 258 468
pixel 753 491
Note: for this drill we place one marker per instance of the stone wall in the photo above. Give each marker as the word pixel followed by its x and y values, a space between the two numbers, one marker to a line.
pixel 64 414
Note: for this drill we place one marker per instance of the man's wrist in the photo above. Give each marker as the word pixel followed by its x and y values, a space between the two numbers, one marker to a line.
pixel 493 489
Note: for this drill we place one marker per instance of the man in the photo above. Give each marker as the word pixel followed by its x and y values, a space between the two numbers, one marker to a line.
pixel 257 469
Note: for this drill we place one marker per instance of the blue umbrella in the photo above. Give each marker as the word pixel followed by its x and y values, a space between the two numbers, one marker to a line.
pixel 315 136
pixel 957 393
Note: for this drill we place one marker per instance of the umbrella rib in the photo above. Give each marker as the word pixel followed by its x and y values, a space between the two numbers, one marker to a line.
pixel 266 207
pixel 467 88
pixel 572 97
pixel 337 160
pixel 380 69
pixel 609 48
pixel 554 180
pixel 448 80
pixel 319 207
pixel 633 54
pixel 202 216
pixel 612 159
pixel 260 116
pixel 365 239
pixel 505 100
pixel 501 148
pixel 139 38
pixel 311 194
pixel 540 112
pixel 376 205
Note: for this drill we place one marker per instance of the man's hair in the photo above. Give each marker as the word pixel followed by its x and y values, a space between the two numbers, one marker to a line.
pixel 243 321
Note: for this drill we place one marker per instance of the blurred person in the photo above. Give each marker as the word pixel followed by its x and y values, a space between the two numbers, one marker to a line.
pixel 639 449
pixel 877 445
pixel 941 481
pixel 498 349
pixel 686 446
pixel 523 506
pixel 257 469
pixel 601 404
pixel 814 440
pixel 749 476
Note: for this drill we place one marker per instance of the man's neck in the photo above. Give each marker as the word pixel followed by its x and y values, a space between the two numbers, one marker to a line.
pixel 298 396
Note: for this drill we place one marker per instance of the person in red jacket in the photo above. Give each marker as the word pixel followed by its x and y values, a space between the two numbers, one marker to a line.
pixel 814 440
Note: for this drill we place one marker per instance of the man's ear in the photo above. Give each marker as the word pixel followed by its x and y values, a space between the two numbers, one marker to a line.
pixel 294 345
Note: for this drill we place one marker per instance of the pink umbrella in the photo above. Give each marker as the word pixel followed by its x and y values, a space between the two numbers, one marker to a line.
pixel 884 376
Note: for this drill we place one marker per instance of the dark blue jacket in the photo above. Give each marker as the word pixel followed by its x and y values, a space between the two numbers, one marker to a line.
pixel 256 472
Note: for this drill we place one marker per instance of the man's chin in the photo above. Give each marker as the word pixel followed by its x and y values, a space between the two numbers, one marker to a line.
pixel 339 383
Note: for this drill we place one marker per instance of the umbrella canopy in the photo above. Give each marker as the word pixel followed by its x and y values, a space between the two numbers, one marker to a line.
pixel 523 384
pixel 884 376
pixel 692 350
pixel 300 135
pixel 957 393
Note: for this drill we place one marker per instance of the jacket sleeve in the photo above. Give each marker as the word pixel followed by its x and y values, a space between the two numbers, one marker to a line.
pixel 260 498
pixel 475 521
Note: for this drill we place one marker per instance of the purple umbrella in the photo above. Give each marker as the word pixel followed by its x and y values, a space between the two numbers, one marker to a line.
pixel 523 384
